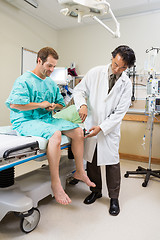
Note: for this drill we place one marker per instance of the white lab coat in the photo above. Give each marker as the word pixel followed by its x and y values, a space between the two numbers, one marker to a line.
pixel 105 110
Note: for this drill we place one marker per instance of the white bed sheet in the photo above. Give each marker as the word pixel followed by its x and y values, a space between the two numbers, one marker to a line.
pixel 9 139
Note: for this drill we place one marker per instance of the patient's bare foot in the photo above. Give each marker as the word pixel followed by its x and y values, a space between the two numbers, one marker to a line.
pixel 83 177
pixel 60 195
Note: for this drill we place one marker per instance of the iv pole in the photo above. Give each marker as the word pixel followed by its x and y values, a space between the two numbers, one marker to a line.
pixel 140 170
pixel 147 171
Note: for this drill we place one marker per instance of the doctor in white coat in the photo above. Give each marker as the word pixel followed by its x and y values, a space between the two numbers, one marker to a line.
pixel 102 99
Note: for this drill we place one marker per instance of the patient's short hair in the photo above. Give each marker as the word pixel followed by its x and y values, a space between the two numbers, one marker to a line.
pixel 45 52
pixel 126 53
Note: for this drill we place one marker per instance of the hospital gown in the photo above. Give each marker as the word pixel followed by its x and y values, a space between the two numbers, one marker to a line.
pixel 38 122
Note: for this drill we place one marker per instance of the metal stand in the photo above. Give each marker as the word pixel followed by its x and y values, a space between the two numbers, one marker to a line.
pixel 140 170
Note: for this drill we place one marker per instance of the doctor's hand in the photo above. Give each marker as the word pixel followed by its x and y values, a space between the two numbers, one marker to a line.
pixel 83 111
pixel 93 131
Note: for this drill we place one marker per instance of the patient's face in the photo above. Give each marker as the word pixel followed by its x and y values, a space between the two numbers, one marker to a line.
pixel 118 65
pixel 47 67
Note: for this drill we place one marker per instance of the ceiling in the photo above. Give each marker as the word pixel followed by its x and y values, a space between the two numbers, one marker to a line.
pixel 48 11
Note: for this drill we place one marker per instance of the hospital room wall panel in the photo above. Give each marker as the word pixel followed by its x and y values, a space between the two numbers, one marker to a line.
pixel 91 45
pixel 131 143
pixel 86 45
pixel 17 30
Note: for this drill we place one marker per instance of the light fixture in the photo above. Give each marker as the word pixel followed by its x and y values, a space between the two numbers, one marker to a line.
pixel 89 8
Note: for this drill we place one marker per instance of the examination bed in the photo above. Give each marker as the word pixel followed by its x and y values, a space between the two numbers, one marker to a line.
pixel 22 194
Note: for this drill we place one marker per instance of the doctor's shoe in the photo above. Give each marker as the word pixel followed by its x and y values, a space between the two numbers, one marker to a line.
pixel 114 207
pixel 92 197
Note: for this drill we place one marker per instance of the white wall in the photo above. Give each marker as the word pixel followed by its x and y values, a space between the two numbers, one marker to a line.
pixel 91 45
pixel 18 30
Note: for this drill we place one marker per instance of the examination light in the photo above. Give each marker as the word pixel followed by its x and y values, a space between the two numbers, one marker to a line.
pixel 89 8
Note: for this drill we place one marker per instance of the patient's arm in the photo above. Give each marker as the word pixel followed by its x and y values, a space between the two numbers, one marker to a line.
pixel 33 105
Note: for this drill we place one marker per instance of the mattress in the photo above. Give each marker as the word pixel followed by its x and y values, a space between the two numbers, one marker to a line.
pixel 10 140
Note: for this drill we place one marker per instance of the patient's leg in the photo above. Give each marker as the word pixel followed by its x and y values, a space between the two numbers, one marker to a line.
pixel 77 137
pixel 54 154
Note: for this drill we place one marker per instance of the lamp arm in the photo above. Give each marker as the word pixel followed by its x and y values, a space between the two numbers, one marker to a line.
pixel 117 32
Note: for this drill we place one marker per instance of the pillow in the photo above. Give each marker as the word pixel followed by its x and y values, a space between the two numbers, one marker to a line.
pixel 70 114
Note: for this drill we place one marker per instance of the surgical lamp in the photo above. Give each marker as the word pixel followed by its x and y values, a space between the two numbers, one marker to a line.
pixel 90 8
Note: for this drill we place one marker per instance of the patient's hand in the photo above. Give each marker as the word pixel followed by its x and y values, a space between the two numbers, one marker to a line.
pixel 52 107
pixel 45 104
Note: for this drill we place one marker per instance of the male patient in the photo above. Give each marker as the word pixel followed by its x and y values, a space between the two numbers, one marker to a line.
pixel 33 98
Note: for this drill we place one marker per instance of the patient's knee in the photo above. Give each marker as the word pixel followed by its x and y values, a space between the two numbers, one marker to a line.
pixel 78 132
pixel 56 138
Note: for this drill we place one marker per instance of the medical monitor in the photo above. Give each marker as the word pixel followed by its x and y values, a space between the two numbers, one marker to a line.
pixel 60 75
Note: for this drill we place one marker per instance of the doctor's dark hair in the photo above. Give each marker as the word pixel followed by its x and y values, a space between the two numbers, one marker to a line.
pixel 45 52
pixel 126 53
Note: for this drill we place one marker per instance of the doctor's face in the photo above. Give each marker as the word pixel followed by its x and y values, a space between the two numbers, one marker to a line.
pixel 47 67
pixel 118 65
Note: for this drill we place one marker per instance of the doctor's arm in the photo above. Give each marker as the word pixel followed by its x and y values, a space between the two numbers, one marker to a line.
pixel 80 93
pixel 83 111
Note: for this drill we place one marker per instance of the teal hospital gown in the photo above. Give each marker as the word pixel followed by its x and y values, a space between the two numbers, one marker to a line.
pixel 38 122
